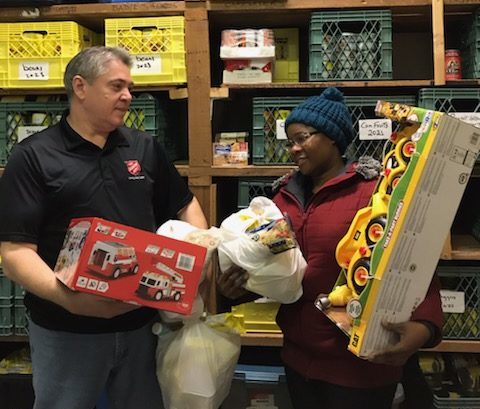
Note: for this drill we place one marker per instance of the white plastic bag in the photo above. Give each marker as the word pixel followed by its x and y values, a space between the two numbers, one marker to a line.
pixel 277 276
pixel 180 230
pixel 195 366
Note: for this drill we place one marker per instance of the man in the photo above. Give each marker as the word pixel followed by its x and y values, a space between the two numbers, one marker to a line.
pixel 82 344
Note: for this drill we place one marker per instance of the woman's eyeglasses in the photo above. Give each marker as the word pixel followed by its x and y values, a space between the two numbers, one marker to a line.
pixel 299 139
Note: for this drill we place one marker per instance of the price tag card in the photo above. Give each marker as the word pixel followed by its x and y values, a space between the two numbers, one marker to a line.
pixel 146 64
pixel 374 129
pixel 24 132
pixel 453 301
pixel 280 129
pixel 472 118
pixel 32 70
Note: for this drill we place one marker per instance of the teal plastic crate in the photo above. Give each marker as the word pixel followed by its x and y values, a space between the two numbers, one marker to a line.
pixel 6 286
pixel 6 316
pixel 143 114
pixel 470 49
pixel 267 111
pixel 465 279
pixel 450 99
pixel 20 318
pixel 350 45
pixel 248 188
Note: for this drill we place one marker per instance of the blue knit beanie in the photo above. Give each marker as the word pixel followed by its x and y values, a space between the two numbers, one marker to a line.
pixel 328 114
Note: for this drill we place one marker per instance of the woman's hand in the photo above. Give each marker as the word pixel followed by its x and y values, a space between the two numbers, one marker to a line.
pixel 413 336
pixel 231 282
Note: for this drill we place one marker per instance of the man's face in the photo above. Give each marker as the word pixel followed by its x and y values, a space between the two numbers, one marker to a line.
pixel 108 98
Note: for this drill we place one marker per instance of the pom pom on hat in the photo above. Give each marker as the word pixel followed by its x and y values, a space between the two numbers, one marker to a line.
pixel 328 114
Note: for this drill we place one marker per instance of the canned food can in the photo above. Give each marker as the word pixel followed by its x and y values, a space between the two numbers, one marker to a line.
pixel 453 66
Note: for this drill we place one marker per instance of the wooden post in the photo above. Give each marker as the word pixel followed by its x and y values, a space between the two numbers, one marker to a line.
pixel 438 42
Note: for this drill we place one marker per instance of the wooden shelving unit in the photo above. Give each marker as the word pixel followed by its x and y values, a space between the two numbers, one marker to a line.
pixel 427 15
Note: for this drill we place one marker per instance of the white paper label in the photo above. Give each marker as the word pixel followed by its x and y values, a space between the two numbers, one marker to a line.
pixel 453 301
pixel 374 129
pixel 33 70
pixel 280 129
pixel 472 118
pixel 24 132
pixel 146 64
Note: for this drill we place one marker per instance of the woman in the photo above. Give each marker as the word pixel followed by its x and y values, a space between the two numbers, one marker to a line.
pixel 321 199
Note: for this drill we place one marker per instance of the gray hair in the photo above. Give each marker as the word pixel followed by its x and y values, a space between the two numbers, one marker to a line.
pixel 92 62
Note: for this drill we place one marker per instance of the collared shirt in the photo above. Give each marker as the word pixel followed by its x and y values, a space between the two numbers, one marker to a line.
pixel 56 175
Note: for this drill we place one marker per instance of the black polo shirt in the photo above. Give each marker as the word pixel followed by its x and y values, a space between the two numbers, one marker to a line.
pixel 56 175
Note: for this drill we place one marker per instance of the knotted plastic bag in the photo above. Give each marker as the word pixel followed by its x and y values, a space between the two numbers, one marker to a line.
pixel 195 365
pixel 259 240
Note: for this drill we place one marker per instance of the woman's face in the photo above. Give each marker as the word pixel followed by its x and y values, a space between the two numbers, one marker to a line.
pixel 312 151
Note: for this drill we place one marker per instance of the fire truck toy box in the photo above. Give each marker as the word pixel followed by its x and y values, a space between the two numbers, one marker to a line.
pixel 389 254
pixel 120 262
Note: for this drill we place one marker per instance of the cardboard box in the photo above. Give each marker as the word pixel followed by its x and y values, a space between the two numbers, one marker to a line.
pixel 258 387
pixel 230 154
pixel 389 255
pixel 120 262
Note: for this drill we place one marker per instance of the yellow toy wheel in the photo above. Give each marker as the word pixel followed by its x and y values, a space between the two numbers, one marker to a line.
pixel 375 229
pixel 359 276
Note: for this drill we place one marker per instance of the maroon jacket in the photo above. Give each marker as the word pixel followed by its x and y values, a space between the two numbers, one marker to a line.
pixel 313 345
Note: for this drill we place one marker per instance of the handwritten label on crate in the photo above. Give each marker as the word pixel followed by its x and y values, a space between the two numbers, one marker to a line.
pixel 146 64
pixel 24 132
pixel 472 118
pixel 453 301
pixel 33 70
pixel 280 129
pixel 374 129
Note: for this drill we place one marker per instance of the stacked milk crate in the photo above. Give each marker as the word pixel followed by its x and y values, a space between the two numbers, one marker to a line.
pixel 248 56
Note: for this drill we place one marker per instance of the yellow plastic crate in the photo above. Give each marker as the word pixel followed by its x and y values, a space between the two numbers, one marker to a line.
pixel 35 55
pixel 286 67
pixel 258 316
pixel 157 45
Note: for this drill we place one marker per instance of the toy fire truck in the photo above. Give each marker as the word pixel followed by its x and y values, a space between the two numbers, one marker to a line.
pixel 165 284
pixel 112 259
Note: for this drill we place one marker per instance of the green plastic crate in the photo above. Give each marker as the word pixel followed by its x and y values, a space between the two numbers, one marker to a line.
pixel 465 279
pixel 450 99
pixel 268 150
pixel 6 290
pixel 470 48
pixel 143 114
pixel 20 318
pixel 248 188
pixel 350 45
pixel 6 316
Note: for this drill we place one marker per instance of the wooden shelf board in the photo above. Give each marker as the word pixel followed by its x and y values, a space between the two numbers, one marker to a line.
pixel 14 338
pixel 345 84
pixel 91 15
pixel 232 5
pixel 465 247
pixel 171 88
pixel 276 340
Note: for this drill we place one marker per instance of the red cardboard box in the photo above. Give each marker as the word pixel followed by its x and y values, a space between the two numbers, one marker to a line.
pixel 117 261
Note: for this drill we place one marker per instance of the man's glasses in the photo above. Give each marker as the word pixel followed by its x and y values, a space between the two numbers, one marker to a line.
pixel 299 139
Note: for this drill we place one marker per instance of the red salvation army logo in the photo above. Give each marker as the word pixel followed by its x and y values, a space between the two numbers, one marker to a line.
pixel 133 167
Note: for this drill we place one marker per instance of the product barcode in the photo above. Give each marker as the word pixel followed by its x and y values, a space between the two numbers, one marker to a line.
pixel 185 262
pixel 474 139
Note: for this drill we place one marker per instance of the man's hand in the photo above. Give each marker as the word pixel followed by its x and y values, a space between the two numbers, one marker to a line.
pixel 93 305
pixel 413 336
pixel 231 282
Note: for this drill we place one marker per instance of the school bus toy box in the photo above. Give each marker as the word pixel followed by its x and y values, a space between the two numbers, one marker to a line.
pixel 120 262
pixel 388 256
